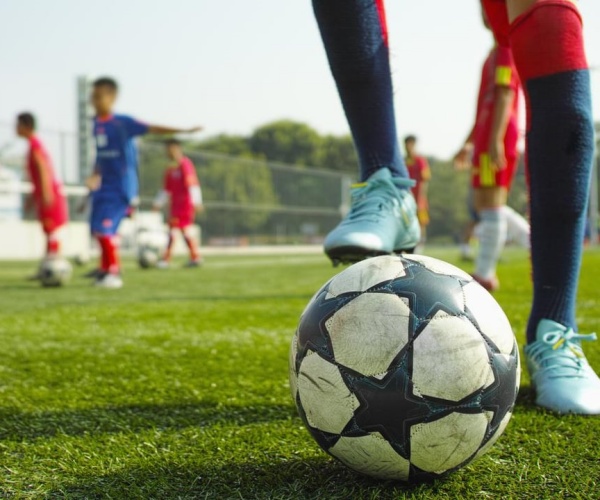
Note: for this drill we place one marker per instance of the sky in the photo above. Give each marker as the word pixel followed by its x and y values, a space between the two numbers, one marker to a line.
pixel 231 65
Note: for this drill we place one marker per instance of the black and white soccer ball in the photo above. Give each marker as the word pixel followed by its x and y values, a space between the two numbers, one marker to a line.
pixel 148 255
pixel 55 272
pixel 404 368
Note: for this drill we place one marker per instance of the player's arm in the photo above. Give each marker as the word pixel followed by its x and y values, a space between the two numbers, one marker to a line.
pixel 160 130
pixel 94 180
pixel 160 200
pixel 41 165
pixel 196 197
pixel 194 189
pixel 503 102
pixel 462 159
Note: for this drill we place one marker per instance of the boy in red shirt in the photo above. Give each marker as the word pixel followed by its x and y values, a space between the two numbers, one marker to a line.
pixel 182 190
pixel 47 196
pixel 418 171
pixel 493 145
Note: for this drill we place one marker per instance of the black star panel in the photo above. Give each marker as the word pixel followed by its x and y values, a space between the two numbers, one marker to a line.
pixel 501 395
pixel 429 292
pixel 312 332
pixel 389 407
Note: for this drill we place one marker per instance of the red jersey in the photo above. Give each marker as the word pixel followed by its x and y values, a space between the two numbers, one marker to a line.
pixel 55 215
pixel 498 71
pixel 419 171
pixel 178 181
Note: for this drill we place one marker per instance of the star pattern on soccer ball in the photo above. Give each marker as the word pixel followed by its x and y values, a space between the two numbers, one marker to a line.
pixel 392 405
pixel 429 292
pixel 500 396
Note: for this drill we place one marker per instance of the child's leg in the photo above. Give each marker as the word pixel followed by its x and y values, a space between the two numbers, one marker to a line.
pixel 52 244
pixel 191 243
pixel 170 242
pixel 354 33
pixel 560 146
pixel 110 261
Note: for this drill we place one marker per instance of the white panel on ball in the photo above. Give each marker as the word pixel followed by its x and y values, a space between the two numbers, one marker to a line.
pixel 369 332
pixel 327 402
pixel 292 368
pixel 450 360
pixel 446 443
pixel 501 428
pixel 366 274
pixel 438 266
pixel 490 317
pixel 371 455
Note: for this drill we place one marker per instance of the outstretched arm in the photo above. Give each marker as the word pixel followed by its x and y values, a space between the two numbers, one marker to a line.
pixel 462 159
pixel 160 130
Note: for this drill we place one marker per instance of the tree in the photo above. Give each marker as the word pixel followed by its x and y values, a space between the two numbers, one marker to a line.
pixel 240 191
pixel 287 141
pixel 337 153
pixel 232 145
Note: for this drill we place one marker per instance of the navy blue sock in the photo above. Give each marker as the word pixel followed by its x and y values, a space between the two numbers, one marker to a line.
pixel 355 38
pixel 560 157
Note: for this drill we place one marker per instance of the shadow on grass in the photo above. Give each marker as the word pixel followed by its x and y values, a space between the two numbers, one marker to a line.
pixel 526 398
pixel 17 425
pixel 281 478
pixel 225 298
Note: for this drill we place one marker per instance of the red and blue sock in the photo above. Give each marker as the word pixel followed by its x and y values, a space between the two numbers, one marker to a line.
pixel 109 254
pixel 355 36
pixel 547 44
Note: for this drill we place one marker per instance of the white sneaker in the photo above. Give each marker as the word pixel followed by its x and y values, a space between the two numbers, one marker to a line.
pixel 163 264
pixel 110 281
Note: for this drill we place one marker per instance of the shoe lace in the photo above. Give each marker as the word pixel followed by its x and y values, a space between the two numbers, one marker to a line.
pixel 560 352
pixel 371 203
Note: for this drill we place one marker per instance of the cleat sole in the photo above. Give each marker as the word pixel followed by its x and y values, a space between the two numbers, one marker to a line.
pixel 351 255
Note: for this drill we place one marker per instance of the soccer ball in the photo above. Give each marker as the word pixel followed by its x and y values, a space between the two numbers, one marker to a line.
pixel 404 368
pixel 148 256
pixel 55 272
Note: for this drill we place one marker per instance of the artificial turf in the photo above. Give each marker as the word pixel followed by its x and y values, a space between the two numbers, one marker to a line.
pixel 176 387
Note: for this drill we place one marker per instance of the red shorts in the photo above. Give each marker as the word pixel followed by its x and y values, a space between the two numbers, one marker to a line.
pixel 54 216
pixel 181 220
pixel 484 176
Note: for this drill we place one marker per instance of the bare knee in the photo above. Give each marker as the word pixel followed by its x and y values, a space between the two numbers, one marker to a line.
pixel 517 8
pixel 491 197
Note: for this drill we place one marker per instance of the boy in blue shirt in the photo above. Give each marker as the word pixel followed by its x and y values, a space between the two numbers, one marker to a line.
pixel 115 180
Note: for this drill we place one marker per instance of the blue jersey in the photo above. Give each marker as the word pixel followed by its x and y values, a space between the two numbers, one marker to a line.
pixel 116 155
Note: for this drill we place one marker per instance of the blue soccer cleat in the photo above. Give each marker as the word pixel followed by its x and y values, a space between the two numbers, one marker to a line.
pixel 382 220
pixel 563 379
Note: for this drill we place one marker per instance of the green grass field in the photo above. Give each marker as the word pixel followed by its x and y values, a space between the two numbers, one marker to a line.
pixel 176 387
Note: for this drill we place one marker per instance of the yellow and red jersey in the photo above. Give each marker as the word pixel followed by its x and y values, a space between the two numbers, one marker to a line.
pixel 498 71
pixel 419 171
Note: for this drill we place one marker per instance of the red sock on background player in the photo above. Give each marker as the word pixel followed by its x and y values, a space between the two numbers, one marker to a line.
pixel 52 245
pixel 109 248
